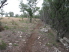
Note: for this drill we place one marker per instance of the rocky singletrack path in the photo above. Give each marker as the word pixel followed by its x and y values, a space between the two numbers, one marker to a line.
pixel 32 38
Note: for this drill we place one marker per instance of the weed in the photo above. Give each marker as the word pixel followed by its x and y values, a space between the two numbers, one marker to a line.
pixel 3 45
pixel 48 44
pixel 6 27
pixel 13 31
pixel 54 43
pixel 23 30
pixel 0 36
pixel 51 34
pixel 26 28
pixel 14 23
pixel 15 44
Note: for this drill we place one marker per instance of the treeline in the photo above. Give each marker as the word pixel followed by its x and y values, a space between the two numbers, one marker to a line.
pixel 11 14
pixel 56 14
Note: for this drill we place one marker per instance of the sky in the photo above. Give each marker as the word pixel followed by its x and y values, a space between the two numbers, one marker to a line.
pixel 13 6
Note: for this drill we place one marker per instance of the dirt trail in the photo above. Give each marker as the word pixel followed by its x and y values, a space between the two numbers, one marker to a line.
pixel 31 39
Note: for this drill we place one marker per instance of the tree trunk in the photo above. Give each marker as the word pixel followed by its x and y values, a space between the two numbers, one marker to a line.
pixel 30 19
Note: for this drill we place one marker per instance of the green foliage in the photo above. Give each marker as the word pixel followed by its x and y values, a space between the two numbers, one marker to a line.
pixel 36 16
pixel 2 12
pixel 17 15
pixel 6 27
pixel 30 7
pixel 15 44
pixel 11 14
pixel 51 34
pixel 55 13
pixel 6 14
pixel 21 15
pixel 23 30
pixel 24 15
pixel 3 45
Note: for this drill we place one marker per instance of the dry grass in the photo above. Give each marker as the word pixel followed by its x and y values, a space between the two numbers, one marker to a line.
pixel 18 23
pixel 8 19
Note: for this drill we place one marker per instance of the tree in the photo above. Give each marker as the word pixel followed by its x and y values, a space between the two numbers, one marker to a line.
pixel 55 12
pixel 2 12
pixel 22 16
pixel 25 15
pixel 17 15
pixel 6 14
pixel 30 7
pixel 2 2
pixel 11 14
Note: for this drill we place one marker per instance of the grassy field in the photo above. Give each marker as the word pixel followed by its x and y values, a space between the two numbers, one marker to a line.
pixel 17 23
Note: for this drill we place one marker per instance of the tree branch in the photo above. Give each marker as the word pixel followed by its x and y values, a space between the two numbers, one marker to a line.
pixel 2 3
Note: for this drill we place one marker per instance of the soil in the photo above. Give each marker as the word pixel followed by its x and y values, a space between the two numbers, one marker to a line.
pixel 34 41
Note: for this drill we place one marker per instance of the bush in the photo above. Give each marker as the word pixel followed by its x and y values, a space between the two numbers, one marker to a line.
pixel 3 45
pixel 6 27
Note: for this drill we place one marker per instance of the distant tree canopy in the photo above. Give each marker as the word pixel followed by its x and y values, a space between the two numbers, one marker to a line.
pixel 2 12
pixel 56 13
pixel 30 7
pixel 11 14
pixel 17 15
pixel 6 14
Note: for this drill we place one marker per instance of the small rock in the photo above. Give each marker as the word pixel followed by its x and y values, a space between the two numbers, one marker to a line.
pixel 44 30
pixel 6 24
pixel 66 44
pixel 21 33
pixel 18 32
pixel 40 43
pixel 43 45
pixel 56 50
pixel 39 37
pixel 23 40
pixel 48 43
pixel 10 44
pixel 20 36
pixel 66 49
